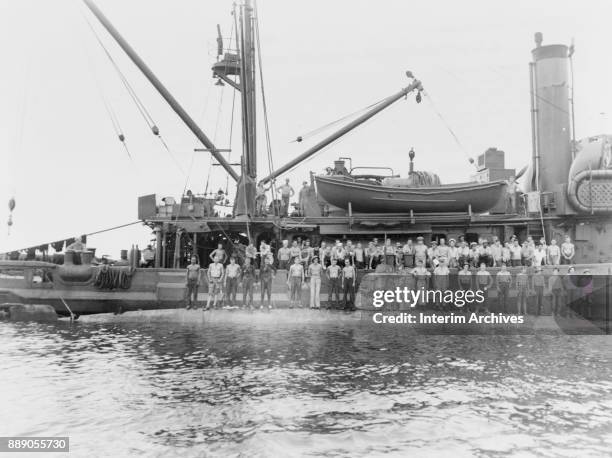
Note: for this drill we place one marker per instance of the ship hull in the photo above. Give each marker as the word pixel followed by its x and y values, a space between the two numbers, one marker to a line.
pixel 368 197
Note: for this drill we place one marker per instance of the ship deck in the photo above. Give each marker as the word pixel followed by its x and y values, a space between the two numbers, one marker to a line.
pixel 372 219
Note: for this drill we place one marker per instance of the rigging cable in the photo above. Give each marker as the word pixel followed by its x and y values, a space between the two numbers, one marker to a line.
pixel 141 107
pixel 264 103
pixel 231 130
pixel 332 123
pixel 107 105
pixel 450 130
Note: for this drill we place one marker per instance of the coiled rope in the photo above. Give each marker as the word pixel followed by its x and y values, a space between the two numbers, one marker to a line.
pixel 109 277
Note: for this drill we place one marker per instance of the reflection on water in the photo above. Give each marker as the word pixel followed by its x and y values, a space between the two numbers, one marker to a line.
pixel 179 383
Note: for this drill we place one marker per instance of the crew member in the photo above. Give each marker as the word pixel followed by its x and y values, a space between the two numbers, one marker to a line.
pixel 251 253
pixel 484 282
pixel 266 275
pixel 314 274
pixel 77 245
pixel 555 285
pixel 568 251
pixel 215 277
pixel 339 253
pixel 286 192
pixel 306 254
pixel 219 253
pixel 522 291
pixel 539 283
pixel 295 251
pixel 232 277
pixel 504 281
pixel 303 198
pixel 349 276
pixel 261 201
pixel 421 275
pixel 420 252
pixel 554 253
pixel 193 283
pixel 465 280
pixel 294 282
pixel 408 254
pixel 333 274
pixel 148 257
pixel 441 279
pixel 248 278
pixel 511 192
pixel 284 256
pixel 359 257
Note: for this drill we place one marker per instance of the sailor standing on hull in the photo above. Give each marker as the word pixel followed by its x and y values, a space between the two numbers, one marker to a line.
pixel 441 281
pixel 522 291
pixel 248 279
pixel 504 282
pixel 266 275
pixel 294 282
pixel 465 280
pixel 232 277
pixel 348 285
pixel 484 281
pixel 539 285
pixel 421 275
pixel 314 273
pixel 334 274
pixel 193 283
pixel 215 277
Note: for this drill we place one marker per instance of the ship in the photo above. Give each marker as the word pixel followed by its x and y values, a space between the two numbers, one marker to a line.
pixel 566 190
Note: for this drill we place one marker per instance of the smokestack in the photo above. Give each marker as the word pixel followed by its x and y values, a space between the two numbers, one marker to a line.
pixel 552 112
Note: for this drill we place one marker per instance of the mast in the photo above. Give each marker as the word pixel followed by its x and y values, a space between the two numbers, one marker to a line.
pixel 248 93
pixel 178 109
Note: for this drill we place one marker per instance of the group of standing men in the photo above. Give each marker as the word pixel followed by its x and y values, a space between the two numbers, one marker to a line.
pixel 306 265
pixel 286 192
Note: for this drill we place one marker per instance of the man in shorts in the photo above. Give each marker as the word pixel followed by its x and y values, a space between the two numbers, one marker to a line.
pixel 266 275
pixel 215 277
pixel 248 279
pixel 193 283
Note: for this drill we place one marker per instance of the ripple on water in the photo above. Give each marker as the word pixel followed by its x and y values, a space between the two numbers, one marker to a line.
pixel 178 383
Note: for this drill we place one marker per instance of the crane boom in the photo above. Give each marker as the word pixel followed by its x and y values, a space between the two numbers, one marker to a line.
pixel 143 67
pixel 415 85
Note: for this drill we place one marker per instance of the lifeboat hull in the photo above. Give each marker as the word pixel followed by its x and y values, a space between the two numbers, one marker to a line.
pixel 366 196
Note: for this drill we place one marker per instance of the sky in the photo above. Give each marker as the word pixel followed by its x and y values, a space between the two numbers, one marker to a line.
pixel 61 159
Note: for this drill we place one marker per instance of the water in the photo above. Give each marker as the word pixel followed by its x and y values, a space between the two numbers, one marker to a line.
pixel 295 383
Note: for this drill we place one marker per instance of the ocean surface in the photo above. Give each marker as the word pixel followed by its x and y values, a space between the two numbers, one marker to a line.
pixel 300 383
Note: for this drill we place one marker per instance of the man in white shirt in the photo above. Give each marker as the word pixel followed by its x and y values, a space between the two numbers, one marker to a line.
pixel 286 192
